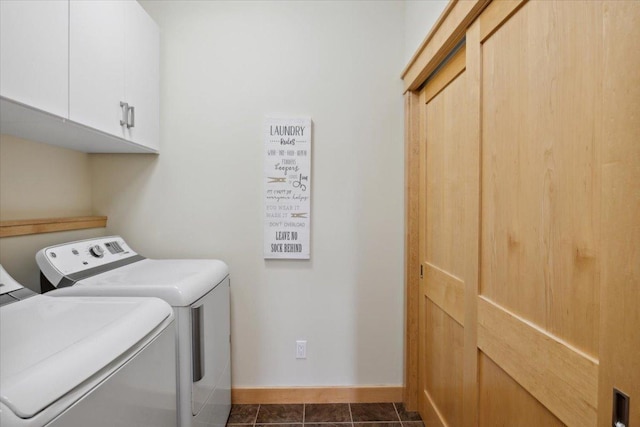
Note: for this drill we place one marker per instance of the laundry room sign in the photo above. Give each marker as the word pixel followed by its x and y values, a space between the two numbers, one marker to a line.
pixel 287 188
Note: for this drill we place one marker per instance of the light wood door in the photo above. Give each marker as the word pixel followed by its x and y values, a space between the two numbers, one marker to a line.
pixel 539 308
pixel 558 194
pixel 620 210
pixel 529 234
pixel 448 242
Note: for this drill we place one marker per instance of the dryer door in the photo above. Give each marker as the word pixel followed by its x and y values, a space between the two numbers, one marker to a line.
pixel 210 327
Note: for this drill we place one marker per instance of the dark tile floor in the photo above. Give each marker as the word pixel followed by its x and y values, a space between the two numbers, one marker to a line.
pixel 324 415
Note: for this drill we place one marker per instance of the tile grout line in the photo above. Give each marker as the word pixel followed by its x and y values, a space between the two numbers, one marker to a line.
pixel 327 422
pixel 397 413
pixel 351 421
pixel 255 420
pixel 290 423
pixel 298 422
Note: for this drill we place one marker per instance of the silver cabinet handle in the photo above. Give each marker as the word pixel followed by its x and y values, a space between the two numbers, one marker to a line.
pixel 132 116
pixel 125 113
pixel 197 347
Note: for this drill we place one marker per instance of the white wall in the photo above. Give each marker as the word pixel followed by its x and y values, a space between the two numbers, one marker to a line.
pixel 40 181
pixel 420 15
pixel 224 66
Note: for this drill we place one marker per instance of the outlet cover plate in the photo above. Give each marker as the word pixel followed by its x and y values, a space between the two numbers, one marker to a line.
pixel 301 349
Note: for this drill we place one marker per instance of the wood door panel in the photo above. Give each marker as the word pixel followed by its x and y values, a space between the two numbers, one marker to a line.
pixel 441 80
pixel 412 128
pixel 620 346
pixel 540 183
pixel 444 245
pixel 504 403
pixel 444 339
pixel 495 15
pixel 446 291
pixel 560 377
pixel 446 179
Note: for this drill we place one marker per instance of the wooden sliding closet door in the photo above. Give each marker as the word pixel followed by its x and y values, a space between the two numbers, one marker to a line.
pixel 529 201
pixel 448 243
pixel 541 264
pixel 538 309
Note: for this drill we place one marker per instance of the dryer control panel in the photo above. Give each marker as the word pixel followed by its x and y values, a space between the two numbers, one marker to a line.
pixel 76 257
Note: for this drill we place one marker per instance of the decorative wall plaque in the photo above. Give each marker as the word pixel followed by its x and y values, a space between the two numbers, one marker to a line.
pixel 287 188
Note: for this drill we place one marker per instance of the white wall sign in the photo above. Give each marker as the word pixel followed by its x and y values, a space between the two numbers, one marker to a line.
pixel 287 187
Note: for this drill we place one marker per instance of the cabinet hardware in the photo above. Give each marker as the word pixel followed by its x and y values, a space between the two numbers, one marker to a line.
pixel 131 123
pixel 125 112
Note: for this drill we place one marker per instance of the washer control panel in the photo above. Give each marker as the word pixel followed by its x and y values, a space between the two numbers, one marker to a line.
pixel 82 255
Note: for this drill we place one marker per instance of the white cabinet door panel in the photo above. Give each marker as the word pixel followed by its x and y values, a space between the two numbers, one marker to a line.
pixel 67 65
pixel 34 54
pixel 142 75
pixel 96 64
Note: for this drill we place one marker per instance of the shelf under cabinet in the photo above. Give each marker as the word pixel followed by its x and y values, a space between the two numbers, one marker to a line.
pixel 49 225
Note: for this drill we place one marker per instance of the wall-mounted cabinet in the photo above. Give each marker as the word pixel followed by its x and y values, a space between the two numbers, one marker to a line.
pixel 83 75
pixel 113 66
pixel 34 54
pixel 142 75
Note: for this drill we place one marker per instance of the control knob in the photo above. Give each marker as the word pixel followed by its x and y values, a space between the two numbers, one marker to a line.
pixel 96 251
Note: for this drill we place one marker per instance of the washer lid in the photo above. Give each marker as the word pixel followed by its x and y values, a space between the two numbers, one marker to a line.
pixel 7 283
pixel 179 282
pixel 49 345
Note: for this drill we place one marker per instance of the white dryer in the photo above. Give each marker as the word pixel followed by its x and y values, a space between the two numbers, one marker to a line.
pixel 77 362
pixel 198 291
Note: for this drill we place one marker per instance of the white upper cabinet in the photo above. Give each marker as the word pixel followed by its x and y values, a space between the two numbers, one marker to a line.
pixel 96 64
pixel 114 69
pixel 142 75
pixel 34 54
pixel 80 74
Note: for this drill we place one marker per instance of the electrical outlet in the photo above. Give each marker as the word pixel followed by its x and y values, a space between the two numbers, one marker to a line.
pixel 301 349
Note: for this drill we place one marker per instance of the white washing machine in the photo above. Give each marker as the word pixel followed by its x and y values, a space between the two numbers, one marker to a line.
pixel 198 291
pixel 77 362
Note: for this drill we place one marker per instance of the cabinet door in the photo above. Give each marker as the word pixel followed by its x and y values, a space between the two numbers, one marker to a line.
pixel 96 64
pixel 34 54
pixel 142 75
